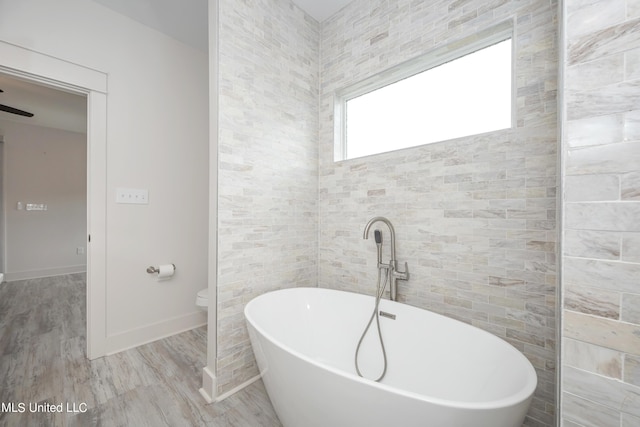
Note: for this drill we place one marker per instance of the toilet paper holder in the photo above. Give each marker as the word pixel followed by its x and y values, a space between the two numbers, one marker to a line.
pixel 151 269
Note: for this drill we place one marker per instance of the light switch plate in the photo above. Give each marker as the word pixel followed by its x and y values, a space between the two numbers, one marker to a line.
pixel 136 196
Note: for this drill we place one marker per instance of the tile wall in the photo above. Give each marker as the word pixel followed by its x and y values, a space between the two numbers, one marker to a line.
pixel 601 232
pixel 475 217
pixel 268 165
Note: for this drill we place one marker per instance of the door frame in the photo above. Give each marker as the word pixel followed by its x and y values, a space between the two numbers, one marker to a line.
pixel 42 69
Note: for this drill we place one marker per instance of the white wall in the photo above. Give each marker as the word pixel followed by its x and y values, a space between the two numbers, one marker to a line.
pixel 157 138
pixel 44 166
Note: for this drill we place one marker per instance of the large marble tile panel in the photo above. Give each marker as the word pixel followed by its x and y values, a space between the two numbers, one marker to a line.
pixel 612 275
pixel 606 129
pixel 631 308
pixel 587 16
pixel 592 244
pixel 603 280
pixel 592 358
pixel 610 393
pixel 608 333
pixel 586 188
pixel 631 247
pixel 632 64
pixel 629 420
pixel 604 42
pixel 568 423
pixel 604 159
pixel 632 125
pixel 633 11
pixel 595 74
pixel 597 302
pixel 611 99
pixel 608 216
pixel 630 186
pixel 587 413
pixel 632 369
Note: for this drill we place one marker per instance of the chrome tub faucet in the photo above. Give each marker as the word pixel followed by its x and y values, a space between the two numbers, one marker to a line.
pixel 392 268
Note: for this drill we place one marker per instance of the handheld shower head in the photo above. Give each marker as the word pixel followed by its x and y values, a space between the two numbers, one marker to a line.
pixel 378 236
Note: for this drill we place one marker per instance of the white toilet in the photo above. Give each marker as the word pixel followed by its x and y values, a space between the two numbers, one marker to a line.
pixel 202 300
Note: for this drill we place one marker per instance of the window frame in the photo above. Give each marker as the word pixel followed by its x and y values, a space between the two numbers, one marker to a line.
pixel 432 59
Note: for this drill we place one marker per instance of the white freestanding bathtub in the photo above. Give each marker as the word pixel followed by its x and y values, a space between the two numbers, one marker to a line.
pixel 441 372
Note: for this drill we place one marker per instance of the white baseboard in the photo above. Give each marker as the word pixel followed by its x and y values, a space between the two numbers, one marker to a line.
pixel 150 333
pixel 48 272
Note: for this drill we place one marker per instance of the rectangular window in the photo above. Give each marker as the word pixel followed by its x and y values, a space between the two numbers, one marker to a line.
pixel 447 94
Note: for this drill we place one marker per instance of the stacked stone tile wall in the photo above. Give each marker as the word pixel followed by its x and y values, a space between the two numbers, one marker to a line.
pixel 268 162
pixel 601 232
pixel 475 217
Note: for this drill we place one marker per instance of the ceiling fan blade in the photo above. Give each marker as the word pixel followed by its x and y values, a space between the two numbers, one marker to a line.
pixel 12 110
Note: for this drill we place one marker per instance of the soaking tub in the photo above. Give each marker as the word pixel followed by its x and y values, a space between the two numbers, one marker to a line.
pixel 441 372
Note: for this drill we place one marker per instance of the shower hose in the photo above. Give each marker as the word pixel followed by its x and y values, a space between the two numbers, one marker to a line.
pixel 376 315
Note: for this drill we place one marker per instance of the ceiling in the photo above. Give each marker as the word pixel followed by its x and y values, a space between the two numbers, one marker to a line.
pixel 187 20
pixel 321 9
pixel 184 20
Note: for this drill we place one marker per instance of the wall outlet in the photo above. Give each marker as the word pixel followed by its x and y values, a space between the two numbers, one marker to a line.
pixel 80 250
pixel 36 207
pixel 136 196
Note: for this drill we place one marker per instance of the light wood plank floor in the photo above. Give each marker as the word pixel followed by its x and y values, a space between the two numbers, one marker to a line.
pixel 42 361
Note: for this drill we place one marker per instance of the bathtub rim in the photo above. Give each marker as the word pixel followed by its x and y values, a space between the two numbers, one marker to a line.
pixel 525 393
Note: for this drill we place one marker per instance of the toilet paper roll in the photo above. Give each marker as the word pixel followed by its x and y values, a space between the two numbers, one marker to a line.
pixel 166 270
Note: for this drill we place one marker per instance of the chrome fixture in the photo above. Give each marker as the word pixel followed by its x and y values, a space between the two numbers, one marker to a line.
pixel 152 270
pixel 392 268
pixel 391 275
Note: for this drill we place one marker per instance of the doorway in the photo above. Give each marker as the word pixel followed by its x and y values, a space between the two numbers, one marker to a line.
pixel 45 180
pixel 44 70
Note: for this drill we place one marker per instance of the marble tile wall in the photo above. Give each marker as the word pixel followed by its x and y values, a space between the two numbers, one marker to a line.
pixel 601 234
pixel 268 163
pixel 475 217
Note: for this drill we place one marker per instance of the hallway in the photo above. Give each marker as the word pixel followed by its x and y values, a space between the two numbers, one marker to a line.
pixel 43 367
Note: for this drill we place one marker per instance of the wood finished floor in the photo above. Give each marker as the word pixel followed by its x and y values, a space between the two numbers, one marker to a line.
pixel 42 361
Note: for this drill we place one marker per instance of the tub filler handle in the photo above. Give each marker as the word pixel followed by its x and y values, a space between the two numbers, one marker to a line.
pixel 402 275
